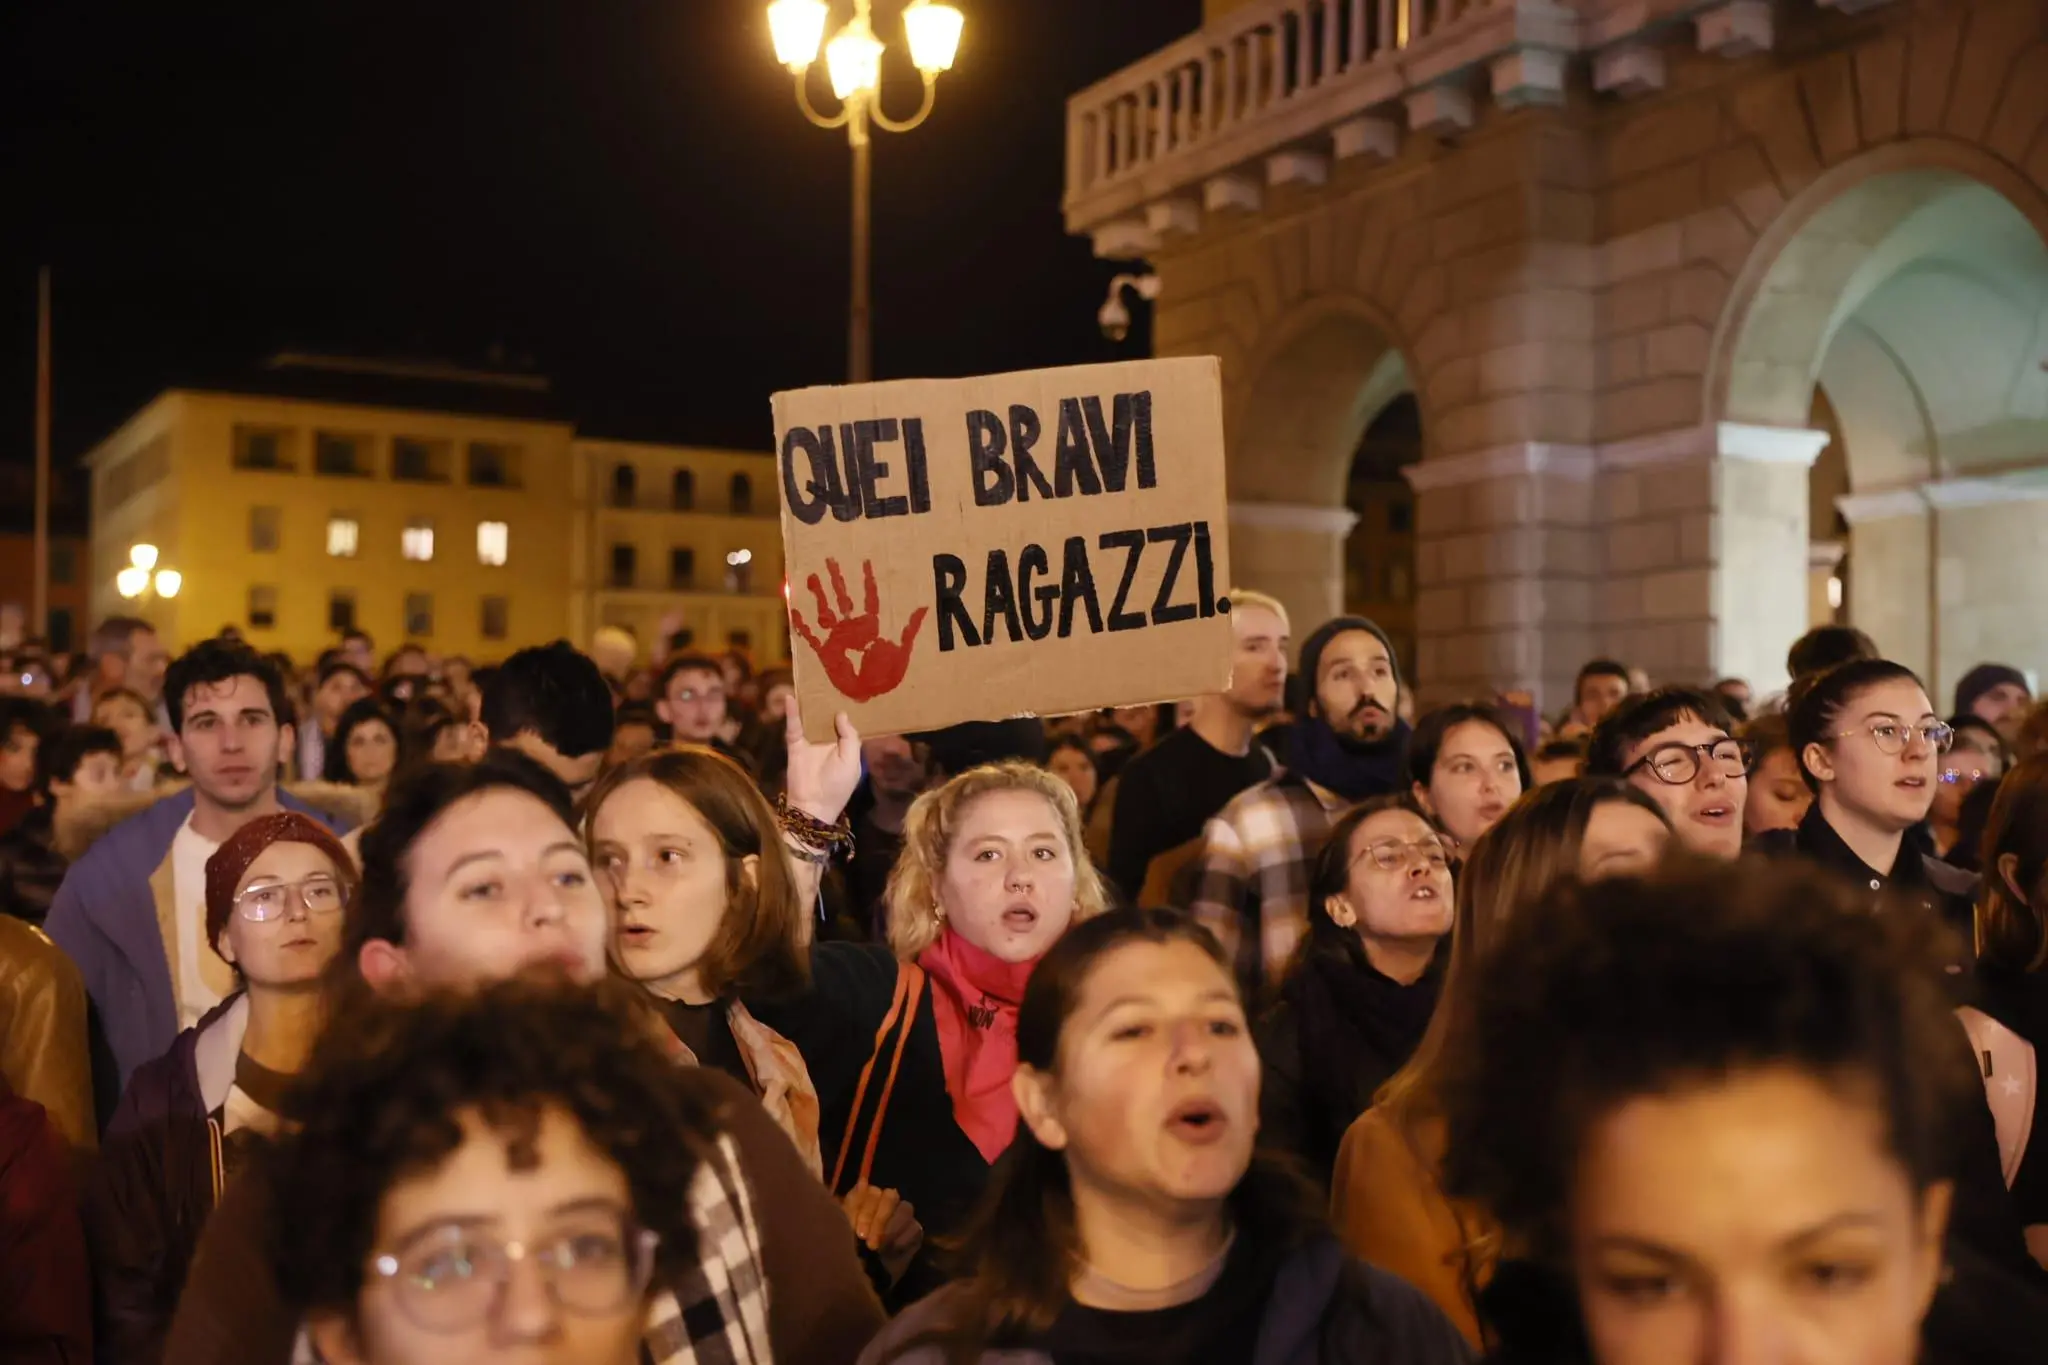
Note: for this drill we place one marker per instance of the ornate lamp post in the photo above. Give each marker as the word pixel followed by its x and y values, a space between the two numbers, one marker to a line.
pixel 142 575
pixel 853 61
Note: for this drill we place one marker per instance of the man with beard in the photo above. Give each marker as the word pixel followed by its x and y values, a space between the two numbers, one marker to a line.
pixel 1258 852
pixel 1166 795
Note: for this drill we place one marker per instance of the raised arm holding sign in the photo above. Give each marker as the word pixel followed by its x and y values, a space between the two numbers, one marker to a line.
pixel 1043 542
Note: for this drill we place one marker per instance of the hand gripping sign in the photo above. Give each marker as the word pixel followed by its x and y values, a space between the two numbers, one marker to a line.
pixel 975 549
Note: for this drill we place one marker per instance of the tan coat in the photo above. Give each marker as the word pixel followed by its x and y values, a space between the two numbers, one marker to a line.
pixel 43 1049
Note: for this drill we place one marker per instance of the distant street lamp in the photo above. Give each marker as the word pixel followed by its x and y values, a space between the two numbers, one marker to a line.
pixel 853 61
pixel 142 575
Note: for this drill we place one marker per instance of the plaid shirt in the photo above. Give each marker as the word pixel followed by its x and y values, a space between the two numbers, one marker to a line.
pixel 716 1311
pixel 1252 891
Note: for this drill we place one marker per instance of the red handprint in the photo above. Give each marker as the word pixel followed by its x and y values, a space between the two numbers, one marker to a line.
pixel 860 663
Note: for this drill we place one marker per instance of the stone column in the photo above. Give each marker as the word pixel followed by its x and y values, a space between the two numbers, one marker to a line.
pixel 1506 555
pixel 1989 548
pixel 1295 553
pixel 1891 574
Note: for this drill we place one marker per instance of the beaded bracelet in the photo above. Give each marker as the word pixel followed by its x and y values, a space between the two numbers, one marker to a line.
pixel 818 839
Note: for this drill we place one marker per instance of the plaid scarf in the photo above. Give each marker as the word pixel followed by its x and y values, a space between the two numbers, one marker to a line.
pixel 714 1312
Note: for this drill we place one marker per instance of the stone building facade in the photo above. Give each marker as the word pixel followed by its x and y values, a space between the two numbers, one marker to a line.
pixel 1692 297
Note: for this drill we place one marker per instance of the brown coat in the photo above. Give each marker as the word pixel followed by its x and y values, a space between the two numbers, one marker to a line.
pixel 822 1310
pixel 44 1055
pixel 1390 1212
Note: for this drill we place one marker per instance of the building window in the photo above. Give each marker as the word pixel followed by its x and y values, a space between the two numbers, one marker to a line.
pixel 625 566
pixel 742 496
pixel 340 455
pixel 493 465
pixel 262 606
pixel 497 622
pixel 740 639
pixel 739 571
pixel 60 629
pixel 492 539
pixel 417 540
pixel 682 567
pixel 419 615
pixel 342 535
pixel 1401 516
pixel 263 523
pixel 63 568
pixel 341 610
pixel 419 461
pixel 625 485
pixel 683 490
pixel 261 448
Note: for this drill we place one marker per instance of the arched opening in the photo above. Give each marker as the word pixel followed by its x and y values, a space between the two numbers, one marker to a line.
pixel 1907 315
pixel 1296 435
pixel 625 485
pixel 1379 554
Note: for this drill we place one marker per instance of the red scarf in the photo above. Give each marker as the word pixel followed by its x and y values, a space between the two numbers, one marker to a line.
pixel 974 1003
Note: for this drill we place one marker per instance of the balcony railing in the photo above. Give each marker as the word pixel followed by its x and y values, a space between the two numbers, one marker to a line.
pixel 1146 146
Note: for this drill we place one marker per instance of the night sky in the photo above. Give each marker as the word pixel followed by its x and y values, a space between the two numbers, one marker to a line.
pixel 622 191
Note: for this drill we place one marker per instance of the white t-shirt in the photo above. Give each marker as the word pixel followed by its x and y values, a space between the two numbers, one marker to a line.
pixel 189 852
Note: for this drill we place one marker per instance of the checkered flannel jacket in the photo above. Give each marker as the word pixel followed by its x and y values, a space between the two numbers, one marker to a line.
pixel 715 1312
pixel 1252 889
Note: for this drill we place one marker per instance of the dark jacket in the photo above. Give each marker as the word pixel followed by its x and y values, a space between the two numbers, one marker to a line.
pixel 1918 875
pixel 1339 1032
pixel 45 1278
pixel 154 1189
pixel 1324 1308
pixel 31 869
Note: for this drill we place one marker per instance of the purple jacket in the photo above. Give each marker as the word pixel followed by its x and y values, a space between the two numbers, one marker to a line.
pixel 105 917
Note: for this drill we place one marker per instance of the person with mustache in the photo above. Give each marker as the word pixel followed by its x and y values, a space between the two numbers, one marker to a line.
pixel 1252 890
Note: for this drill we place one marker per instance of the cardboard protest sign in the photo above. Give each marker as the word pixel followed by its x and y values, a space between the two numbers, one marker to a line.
pixel 1034 543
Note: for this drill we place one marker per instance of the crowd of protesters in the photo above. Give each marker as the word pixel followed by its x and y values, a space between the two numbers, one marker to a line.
pixel 576 1008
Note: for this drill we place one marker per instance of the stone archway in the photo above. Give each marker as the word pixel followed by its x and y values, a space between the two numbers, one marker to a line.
pixel 1908 288
pixel 1293 430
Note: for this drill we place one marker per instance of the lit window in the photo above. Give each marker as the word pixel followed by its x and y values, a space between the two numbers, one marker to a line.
pixel 491 537
pixel 341 537
pixel 417 540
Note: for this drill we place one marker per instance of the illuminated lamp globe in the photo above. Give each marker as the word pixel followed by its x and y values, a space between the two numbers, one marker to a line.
pixel 854 59
pixel 131 581
pixel 797 26
pixel 142 557
pixel 168 581
pixel 933 31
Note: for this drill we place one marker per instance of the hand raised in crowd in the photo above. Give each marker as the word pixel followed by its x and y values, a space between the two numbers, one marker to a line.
pixel 886 1224
pixel 822 777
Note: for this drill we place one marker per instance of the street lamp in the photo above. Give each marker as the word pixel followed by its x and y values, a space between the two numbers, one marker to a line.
pixel 137 579
pixel 853 64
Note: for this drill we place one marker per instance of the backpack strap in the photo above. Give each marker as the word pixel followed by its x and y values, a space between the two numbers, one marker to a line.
pixel 2006 1062
pixel 902 1014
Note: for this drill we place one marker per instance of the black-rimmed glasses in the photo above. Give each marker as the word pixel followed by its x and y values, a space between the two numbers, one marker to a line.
pixel 1677 765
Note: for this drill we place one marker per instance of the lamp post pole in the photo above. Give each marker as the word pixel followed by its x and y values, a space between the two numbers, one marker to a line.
pixel 853 60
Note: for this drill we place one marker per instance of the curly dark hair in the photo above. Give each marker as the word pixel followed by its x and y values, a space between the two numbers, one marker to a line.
pixel 1638 718
pixel 382 1099
pixel 1599 994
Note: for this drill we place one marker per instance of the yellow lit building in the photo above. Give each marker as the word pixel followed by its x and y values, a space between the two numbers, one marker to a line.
pixel 475 533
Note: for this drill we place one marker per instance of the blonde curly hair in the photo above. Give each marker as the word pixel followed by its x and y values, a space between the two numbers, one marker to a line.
pixel 928 835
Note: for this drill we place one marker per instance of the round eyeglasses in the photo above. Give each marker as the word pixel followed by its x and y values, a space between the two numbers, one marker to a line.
pixel 320 894
pixel 1894 736
pixel 451 1278
pixel 1391 855
pixel 1677 765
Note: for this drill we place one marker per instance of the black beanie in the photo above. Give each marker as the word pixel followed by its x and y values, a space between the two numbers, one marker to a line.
pixel 1982 679
pixel 1312 655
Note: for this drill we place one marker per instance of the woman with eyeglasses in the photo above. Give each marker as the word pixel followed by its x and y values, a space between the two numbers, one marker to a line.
pixel 1360 993
pixel 275 891
pixel 1870 747
pixel 508 1175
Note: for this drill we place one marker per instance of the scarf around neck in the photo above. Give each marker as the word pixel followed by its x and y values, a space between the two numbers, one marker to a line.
pixel 1352 770
pixel 975 996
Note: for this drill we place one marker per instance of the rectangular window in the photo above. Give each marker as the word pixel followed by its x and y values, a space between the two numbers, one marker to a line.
pixel 682 567
pixel 493 465
pixel 261 448
pixel 341 455
pixel 262 606
pixel 341 610
pixel 419 461
pixel 60 629
pixel 497 621
pixel 343 533
pixel 419 615
pixel 740 639
pixel 739 571
pixel 625 566
pixel 263 532
pixel 492 538
pixel 416 542
pixel 63 568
